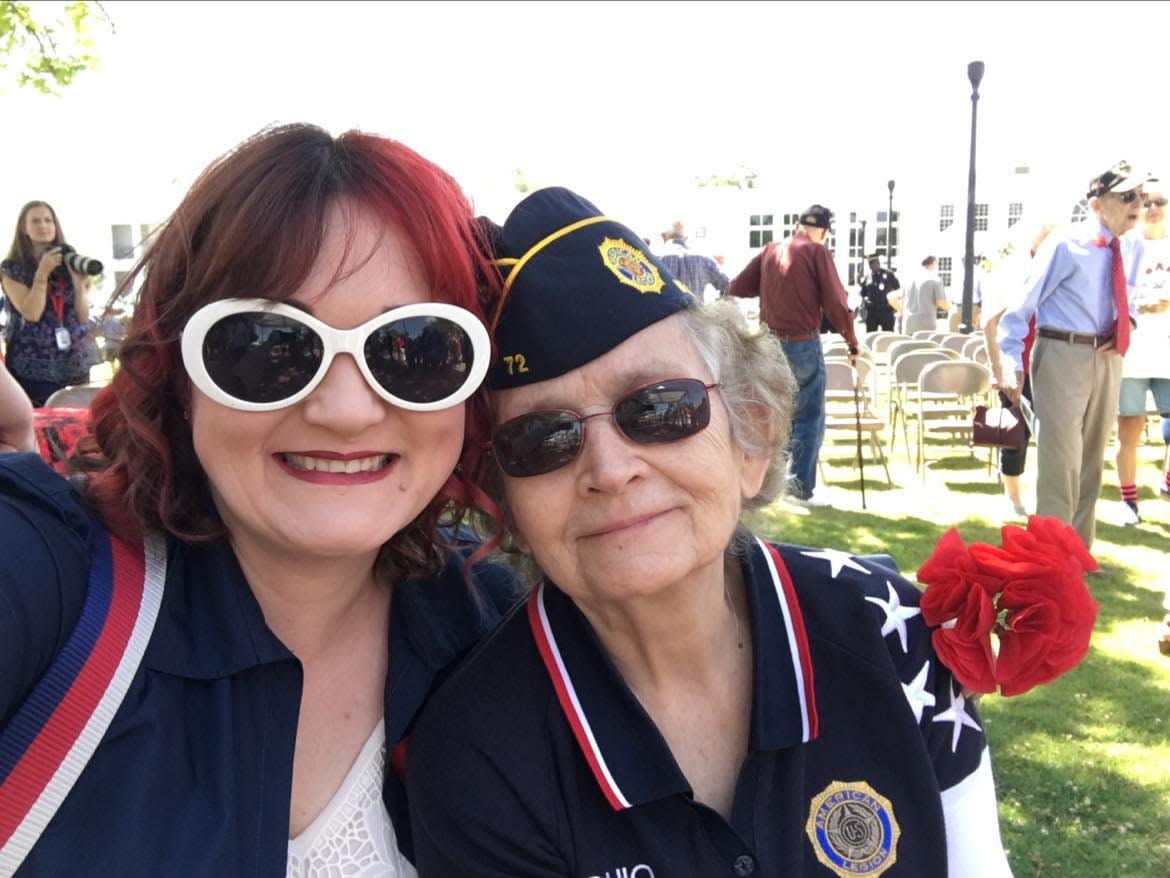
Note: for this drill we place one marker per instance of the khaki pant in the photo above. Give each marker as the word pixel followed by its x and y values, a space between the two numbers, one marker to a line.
pixel 1074 391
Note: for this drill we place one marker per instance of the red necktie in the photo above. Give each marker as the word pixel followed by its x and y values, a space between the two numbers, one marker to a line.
pixel 1120 299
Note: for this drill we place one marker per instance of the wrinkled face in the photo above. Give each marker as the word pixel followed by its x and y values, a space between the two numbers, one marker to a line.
pixel 622 519
pixel 40 226
pixel 1153 207
pixel 1118 215
pixel 274 475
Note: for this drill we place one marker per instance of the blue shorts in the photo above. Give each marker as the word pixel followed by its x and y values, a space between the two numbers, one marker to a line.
pixel 1133 396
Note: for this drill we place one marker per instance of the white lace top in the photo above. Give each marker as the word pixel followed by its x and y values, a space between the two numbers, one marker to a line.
pixel 352 837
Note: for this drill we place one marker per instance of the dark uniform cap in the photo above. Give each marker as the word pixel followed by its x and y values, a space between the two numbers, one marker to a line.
pixel 818 216
pixel 576 284
pixel 1119 178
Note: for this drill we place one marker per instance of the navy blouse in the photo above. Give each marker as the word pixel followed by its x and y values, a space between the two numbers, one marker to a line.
pixel 194 775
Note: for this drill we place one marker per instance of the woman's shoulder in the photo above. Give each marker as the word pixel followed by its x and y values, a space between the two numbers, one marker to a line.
pixel 851 599
pixel 44 543
pixel 16 270
pixel 492 689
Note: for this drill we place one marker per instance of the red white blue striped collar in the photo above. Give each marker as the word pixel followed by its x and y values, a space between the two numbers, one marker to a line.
pixel 626 753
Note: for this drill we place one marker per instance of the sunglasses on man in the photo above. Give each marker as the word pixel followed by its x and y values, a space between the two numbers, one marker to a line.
pixel 1128 197
pixel 542 441
pixel 257 355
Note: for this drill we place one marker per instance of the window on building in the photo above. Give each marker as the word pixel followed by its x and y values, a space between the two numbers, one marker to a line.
pixel 761 231
pixel 123 241
pixel 944 270
pixel 1080 211
pixel 1015 212
pixel 980 217
pixel 946 216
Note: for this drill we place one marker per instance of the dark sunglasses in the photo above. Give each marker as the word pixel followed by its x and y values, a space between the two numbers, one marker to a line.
pixel 1129 197
pixel 1154 202
pixel 257 355
pixel 665 411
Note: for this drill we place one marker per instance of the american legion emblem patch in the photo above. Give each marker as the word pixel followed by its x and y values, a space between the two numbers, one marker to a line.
pixel 630 265
pixel 852 829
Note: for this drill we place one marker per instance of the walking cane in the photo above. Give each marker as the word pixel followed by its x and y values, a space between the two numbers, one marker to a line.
pixel 857 421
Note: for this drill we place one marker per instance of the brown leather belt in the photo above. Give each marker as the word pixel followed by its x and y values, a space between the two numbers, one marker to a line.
pixel 805 337
pixel 1073 337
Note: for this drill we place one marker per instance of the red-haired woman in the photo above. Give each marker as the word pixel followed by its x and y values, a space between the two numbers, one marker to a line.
pixel 297 471
pixel 45 299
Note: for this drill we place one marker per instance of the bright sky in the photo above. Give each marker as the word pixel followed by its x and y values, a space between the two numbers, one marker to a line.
pixel 624 101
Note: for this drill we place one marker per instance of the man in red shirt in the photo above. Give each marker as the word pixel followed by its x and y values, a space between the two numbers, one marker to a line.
pixel 797 283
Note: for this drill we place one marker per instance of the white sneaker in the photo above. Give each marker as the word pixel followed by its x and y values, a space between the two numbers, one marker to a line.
pixel 1018 508
pixel 814 501
pixel 1129 514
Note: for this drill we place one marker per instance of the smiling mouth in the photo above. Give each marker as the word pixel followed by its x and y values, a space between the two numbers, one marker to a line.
pixel 308 464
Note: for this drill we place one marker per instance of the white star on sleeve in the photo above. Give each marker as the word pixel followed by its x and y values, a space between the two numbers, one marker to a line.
pixel 957 714
pixel 917 693
pixel 837 560
pixel 896 614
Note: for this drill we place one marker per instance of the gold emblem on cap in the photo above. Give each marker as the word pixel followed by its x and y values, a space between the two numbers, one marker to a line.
pixel 630 265
pixel 853 829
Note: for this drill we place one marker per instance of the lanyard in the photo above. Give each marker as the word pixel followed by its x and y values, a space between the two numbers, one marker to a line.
pixel 57 300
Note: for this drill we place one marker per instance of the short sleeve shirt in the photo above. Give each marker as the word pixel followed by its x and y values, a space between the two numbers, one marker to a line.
pixel 856 732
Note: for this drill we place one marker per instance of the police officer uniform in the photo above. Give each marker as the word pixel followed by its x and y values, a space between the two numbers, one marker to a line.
pixel 879 314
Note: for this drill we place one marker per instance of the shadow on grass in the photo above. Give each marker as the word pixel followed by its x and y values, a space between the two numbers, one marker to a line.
pixel 975 487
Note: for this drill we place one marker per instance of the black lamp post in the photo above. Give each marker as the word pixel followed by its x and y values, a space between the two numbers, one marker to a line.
pixel 890 228
pixel 975 75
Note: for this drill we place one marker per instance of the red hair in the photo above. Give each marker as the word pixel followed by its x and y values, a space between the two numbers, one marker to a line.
pixel 252 225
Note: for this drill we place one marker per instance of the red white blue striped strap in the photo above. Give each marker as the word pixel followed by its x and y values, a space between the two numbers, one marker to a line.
pixel 546 644
pixel 53 734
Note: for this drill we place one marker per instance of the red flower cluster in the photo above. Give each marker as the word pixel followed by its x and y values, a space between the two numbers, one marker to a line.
pixel 1029 592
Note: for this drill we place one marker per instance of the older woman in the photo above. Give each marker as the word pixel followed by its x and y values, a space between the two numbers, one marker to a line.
pixel 678 697
pixel 284 435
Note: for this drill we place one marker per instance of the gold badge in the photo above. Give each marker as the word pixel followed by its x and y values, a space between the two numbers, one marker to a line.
pixel 630 265
pixel 853 829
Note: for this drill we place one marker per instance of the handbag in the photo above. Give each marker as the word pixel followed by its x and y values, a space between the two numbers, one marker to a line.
pixel 998 427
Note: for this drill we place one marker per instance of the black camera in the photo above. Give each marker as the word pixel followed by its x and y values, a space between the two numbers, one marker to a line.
pixel 80 264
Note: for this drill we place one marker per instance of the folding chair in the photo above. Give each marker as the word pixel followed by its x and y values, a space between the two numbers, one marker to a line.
pixel 924 334
pixel 955 343
pixel 842 381
pixel 75 396
pixel 905 373
pixel 944 400
pixel 899 349
pixel 974 342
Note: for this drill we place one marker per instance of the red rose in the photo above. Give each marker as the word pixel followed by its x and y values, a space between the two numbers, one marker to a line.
pixel 958 605
pixel 1030 592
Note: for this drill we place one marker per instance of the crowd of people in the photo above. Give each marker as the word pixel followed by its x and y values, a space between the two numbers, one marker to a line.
pixel 240 639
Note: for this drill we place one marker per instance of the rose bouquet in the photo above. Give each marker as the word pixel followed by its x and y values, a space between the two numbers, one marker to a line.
pixel 1014 616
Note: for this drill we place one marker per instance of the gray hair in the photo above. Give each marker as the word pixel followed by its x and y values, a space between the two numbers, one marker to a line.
pixel 757 391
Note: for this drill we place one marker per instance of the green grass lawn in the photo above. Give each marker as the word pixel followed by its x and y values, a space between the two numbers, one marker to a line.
pixel 1082 765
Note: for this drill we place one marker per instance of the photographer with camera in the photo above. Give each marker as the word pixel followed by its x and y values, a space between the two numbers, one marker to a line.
pixel 45 283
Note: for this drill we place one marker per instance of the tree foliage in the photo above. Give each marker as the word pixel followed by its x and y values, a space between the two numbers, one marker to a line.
pixel 44 45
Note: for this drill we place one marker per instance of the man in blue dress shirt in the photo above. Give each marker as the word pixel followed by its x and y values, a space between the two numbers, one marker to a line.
pixel 1080 290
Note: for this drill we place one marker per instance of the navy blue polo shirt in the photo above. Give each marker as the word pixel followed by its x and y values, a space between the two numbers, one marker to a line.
pixel 194 775
pixel 536 759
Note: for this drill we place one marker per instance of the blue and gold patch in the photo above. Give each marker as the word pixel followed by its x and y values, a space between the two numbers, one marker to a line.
pixel 576 284
pixel 853 829
pixel 630 265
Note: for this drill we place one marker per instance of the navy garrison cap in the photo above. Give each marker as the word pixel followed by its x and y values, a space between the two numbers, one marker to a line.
pixel 576 284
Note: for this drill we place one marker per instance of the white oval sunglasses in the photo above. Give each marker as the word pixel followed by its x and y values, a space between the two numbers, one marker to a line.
pixel 257 355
